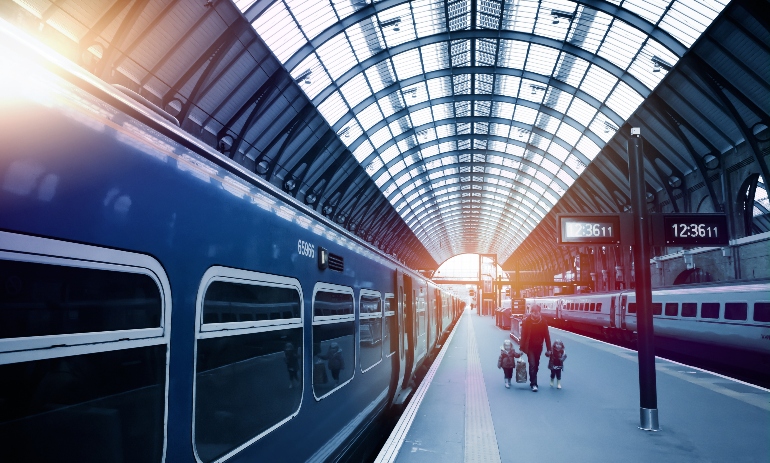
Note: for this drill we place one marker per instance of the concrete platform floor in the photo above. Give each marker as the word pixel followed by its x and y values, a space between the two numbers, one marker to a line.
pixel 467 415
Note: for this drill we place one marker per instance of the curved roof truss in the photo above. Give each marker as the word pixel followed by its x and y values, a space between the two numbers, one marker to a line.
pixel 442 100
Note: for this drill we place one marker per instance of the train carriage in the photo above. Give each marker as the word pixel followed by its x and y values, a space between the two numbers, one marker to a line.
pixel 160 303
pixel 732 315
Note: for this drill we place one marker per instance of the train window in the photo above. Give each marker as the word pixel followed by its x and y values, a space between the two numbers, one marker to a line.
pixel 593 307
pixel 103 406
pixel 370 329
pixel 632 307
pixel 83 354
pixel 390 327
pixel 736 310
pixel 657 308
pixel 230 302
pixel 689 309
pixel 672 309
pixel 46 299
pixel 762 311
pixel 709 310
pixel 248 370
pixel 598 306
pixel 334 338
pixel 332 304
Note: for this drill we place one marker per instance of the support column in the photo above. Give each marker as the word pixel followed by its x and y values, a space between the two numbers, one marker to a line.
pixel 648 397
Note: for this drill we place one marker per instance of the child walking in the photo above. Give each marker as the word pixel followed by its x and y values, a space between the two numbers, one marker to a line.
pixel 507 361
pixel 556 362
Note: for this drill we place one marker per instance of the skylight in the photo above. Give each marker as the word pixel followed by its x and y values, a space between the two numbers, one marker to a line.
pixel 520 98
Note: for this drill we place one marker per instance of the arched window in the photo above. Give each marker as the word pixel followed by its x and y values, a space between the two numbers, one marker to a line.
pixel 754 206
pixel 761 211
pixel 693 275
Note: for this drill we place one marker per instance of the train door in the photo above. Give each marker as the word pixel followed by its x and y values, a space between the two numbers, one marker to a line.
pixel 623 305
pixel 421 321
pixel 613 302
pixel 434 317
pixel 408 343
pixel 391 342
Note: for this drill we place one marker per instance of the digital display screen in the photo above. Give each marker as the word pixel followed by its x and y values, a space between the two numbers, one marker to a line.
pixel 589 229
pixel 695 229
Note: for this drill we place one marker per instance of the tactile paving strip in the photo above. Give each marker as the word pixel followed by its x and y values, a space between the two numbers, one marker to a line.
pixel 480 438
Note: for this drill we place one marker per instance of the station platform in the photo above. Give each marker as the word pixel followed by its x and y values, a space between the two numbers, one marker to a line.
pixel 463 413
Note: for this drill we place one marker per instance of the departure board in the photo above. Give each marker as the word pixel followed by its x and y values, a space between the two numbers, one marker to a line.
pixel 695 230
pixel 588 228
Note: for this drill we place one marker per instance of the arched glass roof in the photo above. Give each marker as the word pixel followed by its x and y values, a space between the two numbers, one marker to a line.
pixel 475 116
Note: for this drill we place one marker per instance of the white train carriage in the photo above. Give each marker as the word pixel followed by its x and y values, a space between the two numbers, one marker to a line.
pixel 728 315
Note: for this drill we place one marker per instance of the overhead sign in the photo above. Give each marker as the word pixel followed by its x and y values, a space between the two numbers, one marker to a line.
pixel 695 230
pixel 588 228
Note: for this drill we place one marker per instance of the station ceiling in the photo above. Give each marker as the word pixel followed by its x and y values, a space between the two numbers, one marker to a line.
pixel 435 128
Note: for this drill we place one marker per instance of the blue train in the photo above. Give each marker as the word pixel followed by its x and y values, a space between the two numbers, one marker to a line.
pixel 159 303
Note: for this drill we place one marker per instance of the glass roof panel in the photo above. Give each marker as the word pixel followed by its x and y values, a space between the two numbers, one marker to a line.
pixel 644 66
pixel 381 136
pixel 407 64
pixel 651 10
pixel 365 39
pixel 624 100
pixel 313 17
pixel 356 90
pixel 363 151
pixel 380 75
pixel 504 132
pixel 279 30
pixel 350 132
pixel 598 83
pixel 337 56
pixel 370 116
pixel 621 43
pixel 541 59
pixel 520 15
pixel 429 18
pixel 590 28
pixel 687 19
pixel 315 77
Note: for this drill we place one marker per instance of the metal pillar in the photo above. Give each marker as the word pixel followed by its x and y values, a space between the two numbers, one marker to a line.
pixel 648 397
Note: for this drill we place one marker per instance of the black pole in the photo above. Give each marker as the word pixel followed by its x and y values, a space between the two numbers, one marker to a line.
pixel 648 396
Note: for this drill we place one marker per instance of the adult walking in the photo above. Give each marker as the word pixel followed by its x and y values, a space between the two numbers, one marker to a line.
pixel 534 332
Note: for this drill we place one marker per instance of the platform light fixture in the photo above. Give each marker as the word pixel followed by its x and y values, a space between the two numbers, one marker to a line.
pixel 658 64
pixel 311 198
pixel 262 167
pixel 304 77
pixel 345 132
pixel 225 144
pixel 674 181
pixel 711 161
pixel 609 126
pixel 536 88
pixel 561 14
pixel 394 22
pixel 412 91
